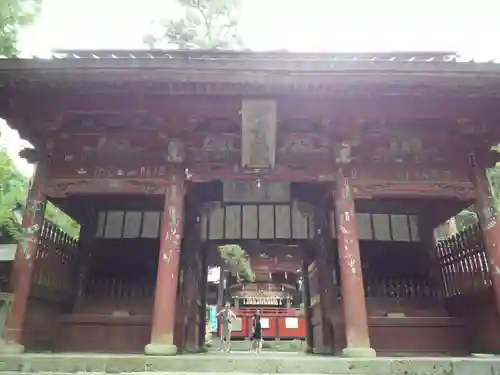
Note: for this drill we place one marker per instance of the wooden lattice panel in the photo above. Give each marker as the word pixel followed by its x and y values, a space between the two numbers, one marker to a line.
pixel 256 221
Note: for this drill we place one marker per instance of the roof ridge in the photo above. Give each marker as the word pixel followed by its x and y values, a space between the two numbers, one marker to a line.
pixel 349 56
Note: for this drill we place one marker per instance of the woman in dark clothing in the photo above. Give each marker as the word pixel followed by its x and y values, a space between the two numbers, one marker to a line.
pixel 257 332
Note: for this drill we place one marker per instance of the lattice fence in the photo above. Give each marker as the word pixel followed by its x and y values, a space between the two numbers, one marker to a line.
pixel 55 261
pixel 463 263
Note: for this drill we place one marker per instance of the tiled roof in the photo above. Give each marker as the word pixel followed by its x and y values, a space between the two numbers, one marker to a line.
pixel 271 62
pixel 255 73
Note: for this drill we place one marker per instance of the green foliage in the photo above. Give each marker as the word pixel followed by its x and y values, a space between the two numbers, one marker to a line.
pixel 494 176
pixel 13 192
pixel 236 257
pixel 466 218
pixel 13 189
pixel 63 221
pixel 206 24
pixel 14 15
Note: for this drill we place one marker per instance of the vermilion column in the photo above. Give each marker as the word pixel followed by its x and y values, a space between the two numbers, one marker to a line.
pixel 352 289
pixel 488 219
pixel 162 331
pixel 24 261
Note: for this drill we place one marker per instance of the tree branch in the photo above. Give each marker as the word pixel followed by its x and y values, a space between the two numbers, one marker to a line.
pixel 198 6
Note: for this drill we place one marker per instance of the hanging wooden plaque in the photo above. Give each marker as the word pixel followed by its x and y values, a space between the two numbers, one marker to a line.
pixel 259 119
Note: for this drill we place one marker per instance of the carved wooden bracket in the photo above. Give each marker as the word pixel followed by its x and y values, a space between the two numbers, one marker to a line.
pixel 344 151
pixel 32 155
pixel 29 154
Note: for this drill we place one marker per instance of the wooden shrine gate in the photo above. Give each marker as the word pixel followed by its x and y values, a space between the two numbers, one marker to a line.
pixel 229 151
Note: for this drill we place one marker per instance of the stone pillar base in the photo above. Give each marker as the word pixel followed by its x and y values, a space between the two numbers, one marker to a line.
pixel 10 348
pixel 160 349
pixel 323 350
pixel 359 352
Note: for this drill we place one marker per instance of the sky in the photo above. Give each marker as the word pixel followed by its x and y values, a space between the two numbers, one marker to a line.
pixel 468 27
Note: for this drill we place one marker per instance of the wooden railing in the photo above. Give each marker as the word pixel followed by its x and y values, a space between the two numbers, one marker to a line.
pixel 55 262
pixel 111 296
pixel 463 263
pixel 396 288
pixel 114 288
pixel 268 311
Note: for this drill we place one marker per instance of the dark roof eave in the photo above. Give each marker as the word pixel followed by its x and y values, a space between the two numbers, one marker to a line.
pixel 349 73
pixel 218 60
pixel 63 66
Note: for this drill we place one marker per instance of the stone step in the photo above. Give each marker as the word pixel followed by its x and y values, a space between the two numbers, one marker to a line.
pixel 270 345
pixel 242 363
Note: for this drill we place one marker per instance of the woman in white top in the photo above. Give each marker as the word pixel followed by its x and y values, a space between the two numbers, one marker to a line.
pixel 226 316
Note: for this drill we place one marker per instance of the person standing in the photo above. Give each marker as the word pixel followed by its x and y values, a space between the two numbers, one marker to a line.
pixel 226 317
pixel 257 332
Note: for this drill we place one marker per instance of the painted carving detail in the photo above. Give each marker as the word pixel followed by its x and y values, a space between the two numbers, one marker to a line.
pixel 407 149
pixel 220 143
pixel 112 150
pixel 63 187
pixel 303 143
pixel 214 152
pixel 457 190
pixel 108 123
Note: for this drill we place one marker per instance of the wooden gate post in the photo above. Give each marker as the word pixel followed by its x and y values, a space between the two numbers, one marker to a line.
pixel 162 330
pixel 24 262
pixel 352 289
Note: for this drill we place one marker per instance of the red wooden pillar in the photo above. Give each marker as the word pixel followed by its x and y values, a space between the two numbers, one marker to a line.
pixel 352 289
pixel 162 330
pixel 24 261
pixel 488 219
